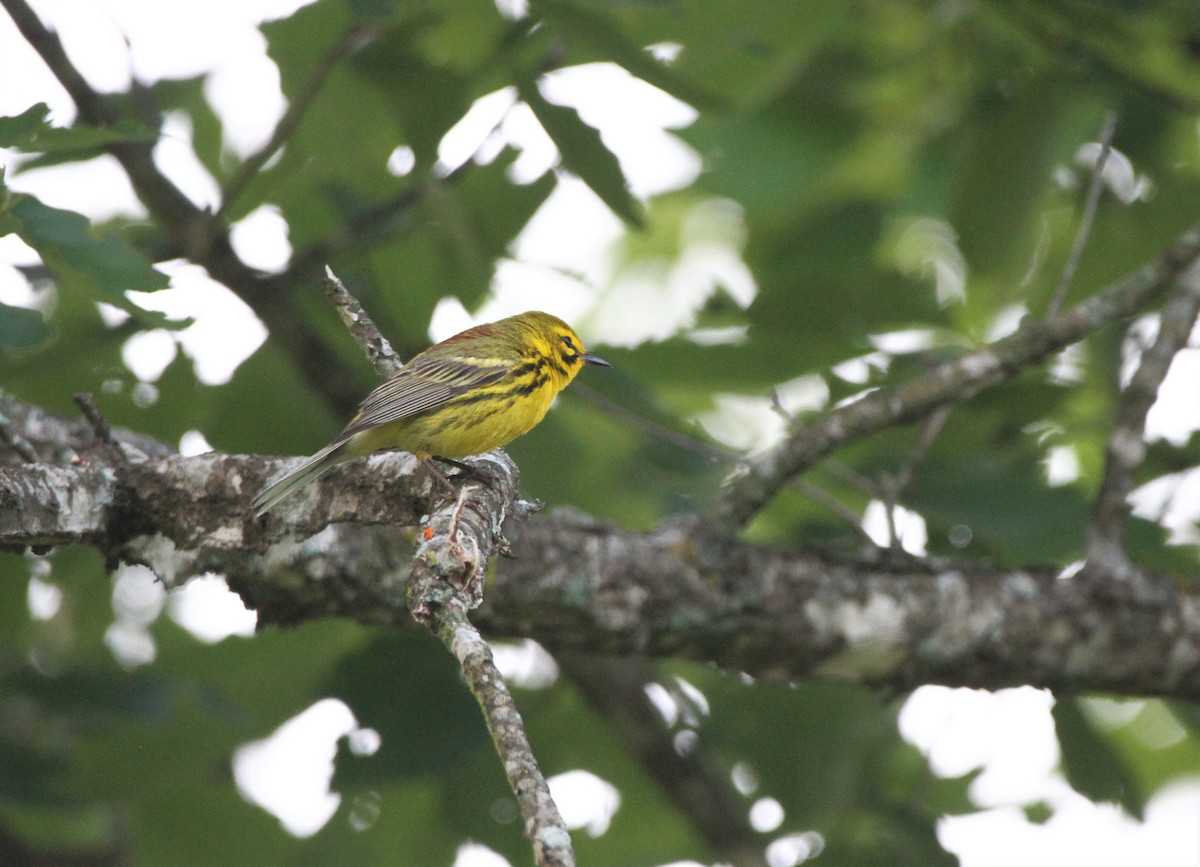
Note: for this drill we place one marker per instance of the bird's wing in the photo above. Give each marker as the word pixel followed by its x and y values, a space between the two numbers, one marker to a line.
pixel 423 385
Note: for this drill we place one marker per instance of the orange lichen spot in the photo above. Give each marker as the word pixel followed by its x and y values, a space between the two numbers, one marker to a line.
pixel 427 533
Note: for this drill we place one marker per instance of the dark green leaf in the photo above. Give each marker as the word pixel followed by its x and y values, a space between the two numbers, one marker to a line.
pixel 102 263
pixel 21 327
pixel 1092 766
pixel 32 132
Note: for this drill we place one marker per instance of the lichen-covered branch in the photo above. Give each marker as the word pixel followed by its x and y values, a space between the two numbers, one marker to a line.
pixel 951 382
pixel 543 825
pixel 689 591
pixel 362 327
pixel 686 590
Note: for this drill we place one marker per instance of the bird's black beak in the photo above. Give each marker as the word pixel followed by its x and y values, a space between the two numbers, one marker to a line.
pixel 594 359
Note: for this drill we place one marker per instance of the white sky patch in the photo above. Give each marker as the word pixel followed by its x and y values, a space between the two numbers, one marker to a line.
pixel 478 855
pixel 175 158
pixel 465 139
pixel 98 188
pixel 585 800
pixel 1082 833
pixel 147 353
pixel 138 598
pixel 1118 173
pixel 193 443
pixel 858 370
pixel 664 702
pixel 94 40
pixel 1008 733
pixel 905 341
pixel 632 117
pixel 260 239
pixel 225 332
pixel 653 299
pixel 794 849
pixel 1068 367
pixel 581 247
pixel 288 773
pixel 43 599
pixel 1173 501
pixel 209 610
pixel 1062 466
pixel 537 153
pixel 1006 322
pixel 1175 415
pixel 402 161
pixel 910 527
pixel 803 394
pixel 525 664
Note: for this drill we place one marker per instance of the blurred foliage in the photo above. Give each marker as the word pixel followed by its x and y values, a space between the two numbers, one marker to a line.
pixel 891 167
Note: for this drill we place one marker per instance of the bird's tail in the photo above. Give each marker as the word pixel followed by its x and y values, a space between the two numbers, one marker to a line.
pixel 334 453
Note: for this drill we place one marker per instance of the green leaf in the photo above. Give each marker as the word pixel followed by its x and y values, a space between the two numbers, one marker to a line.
pixel 21 327
pixel 102 263
pixel 19 131
pixel 1092 766
pixel 32 132
pixel 584 153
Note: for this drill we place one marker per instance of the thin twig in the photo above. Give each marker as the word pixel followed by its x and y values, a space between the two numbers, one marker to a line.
pixel 351 40
pixel 929 433
pixel 892 485
pixel 951 382
pixel 361 327
pixel 1126 446
pixel 378 221
pixel 543 825
pixel 1090 204
pixel 16 442
pixel 100 425
pixel 716 453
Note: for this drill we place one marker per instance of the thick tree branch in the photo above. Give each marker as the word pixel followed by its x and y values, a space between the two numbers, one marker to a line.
pixel 952 382
pixel 684 590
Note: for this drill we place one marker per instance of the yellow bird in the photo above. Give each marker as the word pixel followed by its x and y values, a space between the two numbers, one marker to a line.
pixel 469 394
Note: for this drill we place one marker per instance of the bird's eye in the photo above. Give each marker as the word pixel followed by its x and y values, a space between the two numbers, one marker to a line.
pixel 569 343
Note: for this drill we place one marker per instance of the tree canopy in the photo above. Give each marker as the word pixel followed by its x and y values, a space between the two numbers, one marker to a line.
pixel 932 272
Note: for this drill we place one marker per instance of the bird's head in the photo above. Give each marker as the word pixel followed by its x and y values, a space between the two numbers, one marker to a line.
pixel 549 338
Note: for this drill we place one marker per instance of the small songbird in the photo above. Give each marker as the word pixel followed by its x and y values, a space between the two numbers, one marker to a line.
pixel 467 395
